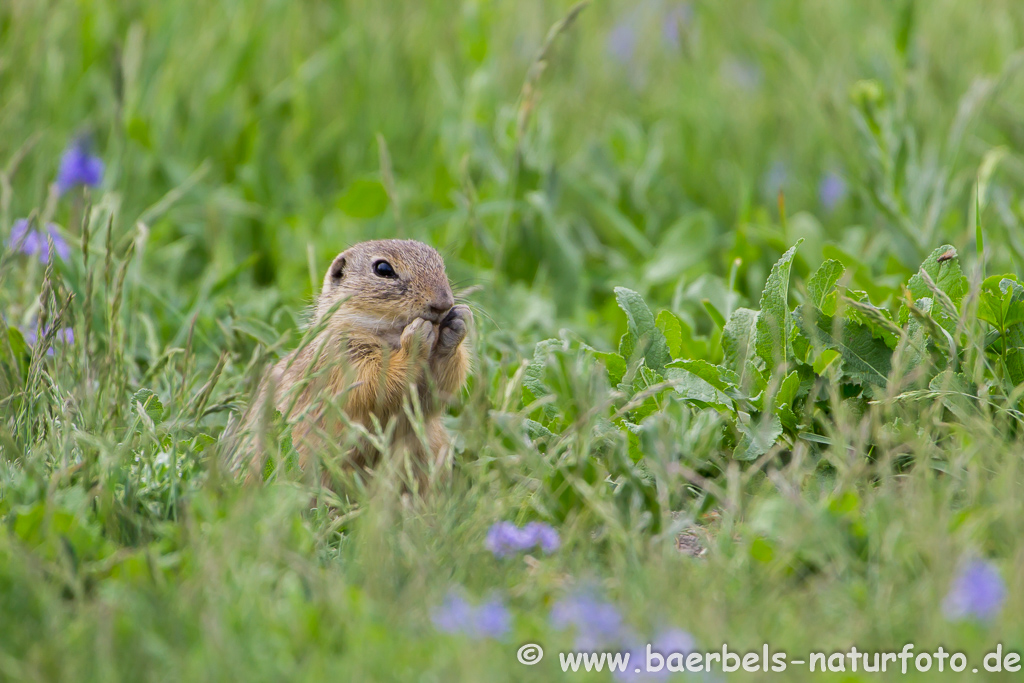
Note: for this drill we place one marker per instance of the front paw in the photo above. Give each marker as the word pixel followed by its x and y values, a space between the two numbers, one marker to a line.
pixel 418 337
pixel 453 329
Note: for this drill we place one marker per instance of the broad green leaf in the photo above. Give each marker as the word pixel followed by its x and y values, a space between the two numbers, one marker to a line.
pixel 688 345
pixel 994 283
pixel 1009 285
pixel 946 274
pixel 1001 304
pixel 1013 302
pixel 150 403
pixel 738 342
pixel 723 379
pixel 915 343
pixel 1014 357
pixel 925 328
pixel 788 390
pixel 772 338
pixel 798 344
pixel 533 377
pixel 823 281
pixel 757 436
pixel 364 198
pixel 957 394
pixel 866 359
pixel 1013 337
pixel 18 344
pixel 672 328
pixel 825 359
pixel 200 442
pixel 1000 310
pixel 535 430
pixel 691 388
pixel 21 351
pixel 757 376
pixel 633 433
pixel 642 338
pixel 879 320
pixel 614 364
pixel 644 379
pixel 785 397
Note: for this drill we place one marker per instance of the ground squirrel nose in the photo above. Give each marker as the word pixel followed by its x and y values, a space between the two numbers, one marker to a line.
pixel 442 304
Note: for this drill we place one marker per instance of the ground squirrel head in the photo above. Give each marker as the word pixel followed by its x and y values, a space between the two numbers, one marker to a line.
pixel 383 285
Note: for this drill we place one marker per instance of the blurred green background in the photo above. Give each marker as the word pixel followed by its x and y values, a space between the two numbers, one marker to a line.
pixel 674 148
pixel 657 140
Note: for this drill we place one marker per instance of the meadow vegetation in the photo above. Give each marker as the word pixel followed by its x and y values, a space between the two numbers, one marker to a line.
pixel 749 352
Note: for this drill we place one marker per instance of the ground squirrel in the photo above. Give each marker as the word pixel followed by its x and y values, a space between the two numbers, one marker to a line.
pixel 389 326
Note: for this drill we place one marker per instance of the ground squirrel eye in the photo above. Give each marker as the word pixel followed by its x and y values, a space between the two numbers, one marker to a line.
pixel 384 269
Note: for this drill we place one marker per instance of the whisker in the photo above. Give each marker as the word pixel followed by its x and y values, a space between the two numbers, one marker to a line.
pixel 470 280
pixel 448 250
pixel 478 310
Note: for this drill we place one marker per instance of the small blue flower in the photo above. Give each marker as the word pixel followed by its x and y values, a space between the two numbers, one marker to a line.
pixel 505 538
pixel 79 167
pixel 597 622
pixel 456 615
pixel 676 19
pixel 493 619
pixel 64 335
pixel 977 592
pixel 544 535
pixel 622 42
pixel 831 190
pixel 32 242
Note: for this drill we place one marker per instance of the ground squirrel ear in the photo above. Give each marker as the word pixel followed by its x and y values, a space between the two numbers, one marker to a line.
pixel 337 270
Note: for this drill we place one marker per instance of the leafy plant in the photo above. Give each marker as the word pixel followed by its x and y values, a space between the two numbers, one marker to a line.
pixel 783 364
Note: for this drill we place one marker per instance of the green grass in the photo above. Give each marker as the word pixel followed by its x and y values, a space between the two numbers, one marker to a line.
pixel 246 143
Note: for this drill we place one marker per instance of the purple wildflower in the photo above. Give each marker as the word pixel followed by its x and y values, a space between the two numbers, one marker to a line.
pixel 78 166
pixel 454 615
pixel 596 621
pixel 493 619
pixel 505 538
pixel 622 42
pixel 64 335
pixel 676 19
pixel 457 615
pixel 34 243
pixel 977 592
pixel 544 535
pixel 831 190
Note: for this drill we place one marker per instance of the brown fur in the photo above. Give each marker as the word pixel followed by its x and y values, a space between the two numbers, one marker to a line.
pixel 382 341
